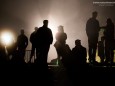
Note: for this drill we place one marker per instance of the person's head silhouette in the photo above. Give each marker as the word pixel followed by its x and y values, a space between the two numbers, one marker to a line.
pixel 109 21
pixel 60 28
pixel 94 14
pixel 45 23
pixel 36 28
pixel 22 31
pixel 78 42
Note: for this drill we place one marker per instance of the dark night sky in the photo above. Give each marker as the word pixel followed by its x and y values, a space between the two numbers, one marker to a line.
pixel 72 14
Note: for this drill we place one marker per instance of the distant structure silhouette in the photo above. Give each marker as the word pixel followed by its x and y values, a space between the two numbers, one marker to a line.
pixel 109 41
pixel 62 48
pixel 101 49
pixel 79 54
pixel 22 42
pixel 44 39
pixel 92 31
pixel 33 42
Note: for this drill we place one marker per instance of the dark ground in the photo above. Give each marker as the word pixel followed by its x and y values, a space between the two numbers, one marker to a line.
pixel 56 75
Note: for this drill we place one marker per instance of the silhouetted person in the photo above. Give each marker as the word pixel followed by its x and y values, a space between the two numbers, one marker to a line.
pixel 44 39
pixel 101 49
pixel 33 42
pixel 60 43
pixel 11 50
pixel 14 54
pixel 92 31
pixel 79 54
pixel 22 42
pixel 109 41
pixel 2 54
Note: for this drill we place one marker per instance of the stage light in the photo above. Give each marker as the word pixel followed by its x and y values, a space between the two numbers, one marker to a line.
pixel 7 38
pixel 53 25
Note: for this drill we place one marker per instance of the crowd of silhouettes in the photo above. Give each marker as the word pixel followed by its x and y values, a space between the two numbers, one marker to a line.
pixel 71 59
pixel 106 45
pixel 42 38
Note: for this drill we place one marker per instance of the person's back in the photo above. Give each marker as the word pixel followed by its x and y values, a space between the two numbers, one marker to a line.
pixel 44 38
pixel 79 53
pixel 33 43
pixel 22 42
pixel 109 41
pixel 92 31
pixel 109 30
pixel 22 39
pixel 92 26
pixel 33 36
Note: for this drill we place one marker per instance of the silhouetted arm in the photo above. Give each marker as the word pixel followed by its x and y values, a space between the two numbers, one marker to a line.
pixel 65 36
pixel 17 43
pixel 51 36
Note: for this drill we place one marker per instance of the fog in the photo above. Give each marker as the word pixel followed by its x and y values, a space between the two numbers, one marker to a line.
pixel 72 14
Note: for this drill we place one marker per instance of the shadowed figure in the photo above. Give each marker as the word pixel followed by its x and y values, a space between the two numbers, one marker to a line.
pixel 79 54
pixel 92 31
pixel 22 42
pixel 2 54
pixel 33 42
pixel 109 41
pixel 61 37
pixel 44 39
pixel 101 49
pixel 62 48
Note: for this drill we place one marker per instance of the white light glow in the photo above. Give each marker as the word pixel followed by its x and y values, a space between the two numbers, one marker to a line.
pixel 53 25
pixel 7 38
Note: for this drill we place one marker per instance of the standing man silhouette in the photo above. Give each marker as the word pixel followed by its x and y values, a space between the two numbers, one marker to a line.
pixel 22 42
pixel 33 42
pixel 44 38
pixel 109 41
pixel 92 31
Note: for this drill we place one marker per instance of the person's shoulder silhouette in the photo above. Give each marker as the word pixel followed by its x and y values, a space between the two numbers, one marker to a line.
pixel 92 25
pixel 44 34
pixel 79 53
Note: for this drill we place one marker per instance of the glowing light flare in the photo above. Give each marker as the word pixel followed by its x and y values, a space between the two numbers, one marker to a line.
pixel 53 25
pixel 7 38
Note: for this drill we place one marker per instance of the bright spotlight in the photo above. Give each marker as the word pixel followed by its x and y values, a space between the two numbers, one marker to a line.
pixel 53 25
pixel 7 38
